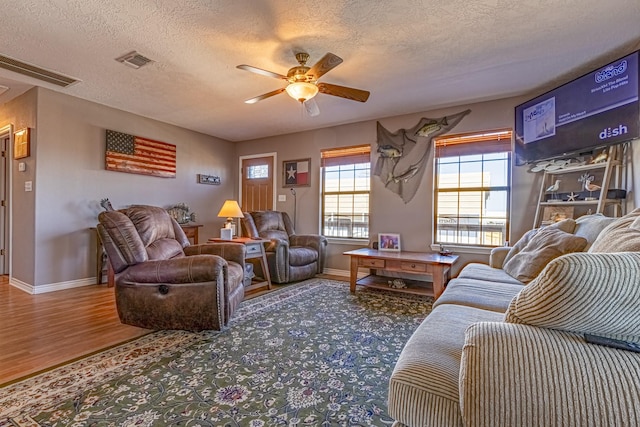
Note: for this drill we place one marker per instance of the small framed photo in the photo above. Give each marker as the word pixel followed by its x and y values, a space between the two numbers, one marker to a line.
pixel 389 242
pixel 21 143
pixel 296 173
pixel 551 214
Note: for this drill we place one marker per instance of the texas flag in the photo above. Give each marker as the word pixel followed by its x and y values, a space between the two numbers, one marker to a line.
pixel 296 172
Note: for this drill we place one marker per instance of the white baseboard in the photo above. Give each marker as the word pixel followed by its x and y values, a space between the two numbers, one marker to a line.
pixel 51 287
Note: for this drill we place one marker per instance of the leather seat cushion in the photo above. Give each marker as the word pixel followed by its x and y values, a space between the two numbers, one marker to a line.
pixel 164 249
pixel 299 255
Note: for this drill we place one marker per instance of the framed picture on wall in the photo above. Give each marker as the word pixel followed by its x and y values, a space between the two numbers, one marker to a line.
pixel 296 173
pixel 389 242
pixel 21 143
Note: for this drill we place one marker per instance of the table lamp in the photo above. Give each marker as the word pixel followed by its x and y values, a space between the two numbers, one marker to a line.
pixel 230 210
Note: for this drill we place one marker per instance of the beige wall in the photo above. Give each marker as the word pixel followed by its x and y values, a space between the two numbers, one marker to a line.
pixel 51 224
pixel 22 113
pixel 52 245
pixel 388 212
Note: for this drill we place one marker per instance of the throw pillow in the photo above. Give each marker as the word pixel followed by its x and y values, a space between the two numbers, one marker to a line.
pixel 584 293
pixel 547 244
pixel 590 226
pixel 566 225
pixel 622 235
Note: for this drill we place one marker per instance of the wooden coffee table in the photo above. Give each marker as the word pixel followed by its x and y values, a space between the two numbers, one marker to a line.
pixel 414 264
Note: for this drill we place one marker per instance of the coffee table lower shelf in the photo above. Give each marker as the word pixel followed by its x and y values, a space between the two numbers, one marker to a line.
pixel 416 287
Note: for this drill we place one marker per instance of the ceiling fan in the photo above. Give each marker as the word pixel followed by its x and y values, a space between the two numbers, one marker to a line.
pixel 303 82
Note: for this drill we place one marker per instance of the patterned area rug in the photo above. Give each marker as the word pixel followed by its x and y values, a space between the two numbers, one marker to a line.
pixel 311 354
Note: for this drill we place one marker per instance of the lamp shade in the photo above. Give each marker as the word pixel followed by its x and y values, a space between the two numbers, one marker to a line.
pixel 302 91
pixel 230 209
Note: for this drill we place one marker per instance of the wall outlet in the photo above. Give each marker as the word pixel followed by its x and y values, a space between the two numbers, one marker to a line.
pixel 282 197
pixel 28 186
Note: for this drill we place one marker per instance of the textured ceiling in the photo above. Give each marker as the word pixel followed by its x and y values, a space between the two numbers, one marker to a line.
pixel 412 55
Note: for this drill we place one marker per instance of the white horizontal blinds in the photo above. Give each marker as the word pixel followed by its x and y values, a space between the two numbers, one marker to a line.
pixel 345 155
pixel 497 141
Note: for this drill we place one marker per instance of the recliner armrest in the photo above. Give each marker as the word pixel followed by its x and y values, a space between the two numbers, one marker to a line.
pixel 234 252
pixel 315 241
pixel 191 269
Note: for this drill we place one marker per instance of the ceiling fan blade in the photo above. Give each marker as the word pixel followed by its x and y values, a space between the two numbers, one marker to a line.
pixel 261 71
pixel 264 96
pixel 311 107
pixel 344 92
pixel 326 64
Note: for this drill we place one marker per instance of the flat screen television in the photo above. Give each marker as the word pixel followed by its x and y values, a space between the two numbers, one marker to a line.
pixel 598 109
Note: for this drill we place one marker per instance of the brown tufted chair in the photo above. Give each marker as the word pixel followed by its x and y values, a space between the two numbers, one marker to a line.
pixel 291 257
pixel 163 282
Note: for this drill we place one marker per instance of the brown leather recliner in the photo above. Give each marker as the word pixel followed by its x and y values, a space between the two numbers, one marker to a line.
pixel 291 257
pixel 163 282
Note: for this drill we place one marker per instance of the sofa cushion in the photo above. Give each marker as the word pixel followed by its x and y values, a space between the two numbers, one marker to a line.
pixel 484 272
pixel 547 244
pixel 590 293
pixel 567 225
pixel 299 255
pixel 590 226
pixel 482 294
pixel 622 235
pixel 423 388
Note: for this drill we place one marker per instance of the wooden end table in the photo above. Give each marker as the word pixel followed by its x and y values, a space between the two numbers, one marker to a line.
pixel 255 251
pixel 409 263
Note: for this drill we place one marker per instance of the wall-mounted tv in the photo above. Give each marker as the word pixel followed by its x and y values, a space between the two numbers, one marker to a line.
pixel 600 108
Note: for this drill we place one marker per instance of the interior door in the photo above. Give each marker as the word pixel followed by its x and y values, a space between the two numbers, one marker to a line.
pixel 257 183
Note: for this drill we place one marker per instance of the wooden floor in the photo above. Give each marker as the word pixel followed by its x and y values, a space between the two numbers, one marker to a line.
pixel 38 332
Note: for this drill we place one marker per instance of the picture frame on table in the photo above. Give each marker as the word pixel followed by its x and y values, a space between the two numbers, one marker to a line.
pixel 389 242
pixel 551 214
pixel 296 173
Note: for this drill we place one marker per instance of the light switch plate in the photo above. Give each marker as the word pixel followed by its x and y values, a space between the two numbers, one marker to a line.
pixel 22 166
pixel 282 197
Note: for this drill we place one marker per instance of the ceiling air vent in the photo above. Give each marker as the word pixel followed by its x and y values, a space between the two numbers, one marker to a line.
pixel 36 72
pixel 134 60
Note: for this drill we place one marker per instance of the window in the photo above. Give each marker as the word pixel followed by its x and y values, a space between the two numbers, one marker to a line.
pixel 346 184
pixel 472 188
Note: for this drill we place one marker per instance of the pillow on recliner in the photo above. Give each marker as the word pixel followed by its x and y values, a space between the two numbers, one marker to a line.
pixel 566 225
pixel 584 293
pixel 547 244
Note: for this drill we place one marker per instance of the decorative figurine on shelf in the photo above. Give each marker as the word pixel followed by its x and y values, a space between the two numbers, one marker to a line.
pixel 397 284
pixel 181 214
pixel 591 188
pixel 106 205
pixel 602 157
pixel 588 179
pixel 554 189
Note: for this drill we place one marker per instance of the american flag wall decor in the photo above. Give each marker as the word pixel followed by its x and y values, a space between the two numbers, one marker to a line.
pixel 133 154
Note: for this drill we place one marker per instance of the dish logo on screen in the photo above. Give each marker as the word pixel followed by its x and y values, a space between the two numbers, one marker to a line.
pixel 611 71
pixel 611 132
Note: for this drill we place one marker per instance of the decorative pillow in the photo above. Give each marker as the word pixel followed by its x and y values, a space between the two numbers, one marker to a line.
pixel 584 293
pixel 547 244
pixel 590 226
pixel 566 225
pixel 622 235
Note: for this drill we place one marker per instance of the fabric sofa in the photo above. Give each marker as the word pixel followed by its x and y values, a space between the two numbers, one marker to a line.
pixel 499 352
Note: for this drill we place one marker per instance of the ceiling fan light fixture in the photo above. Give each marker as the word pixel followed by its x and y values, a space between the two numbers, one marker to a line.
pixel 302 91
